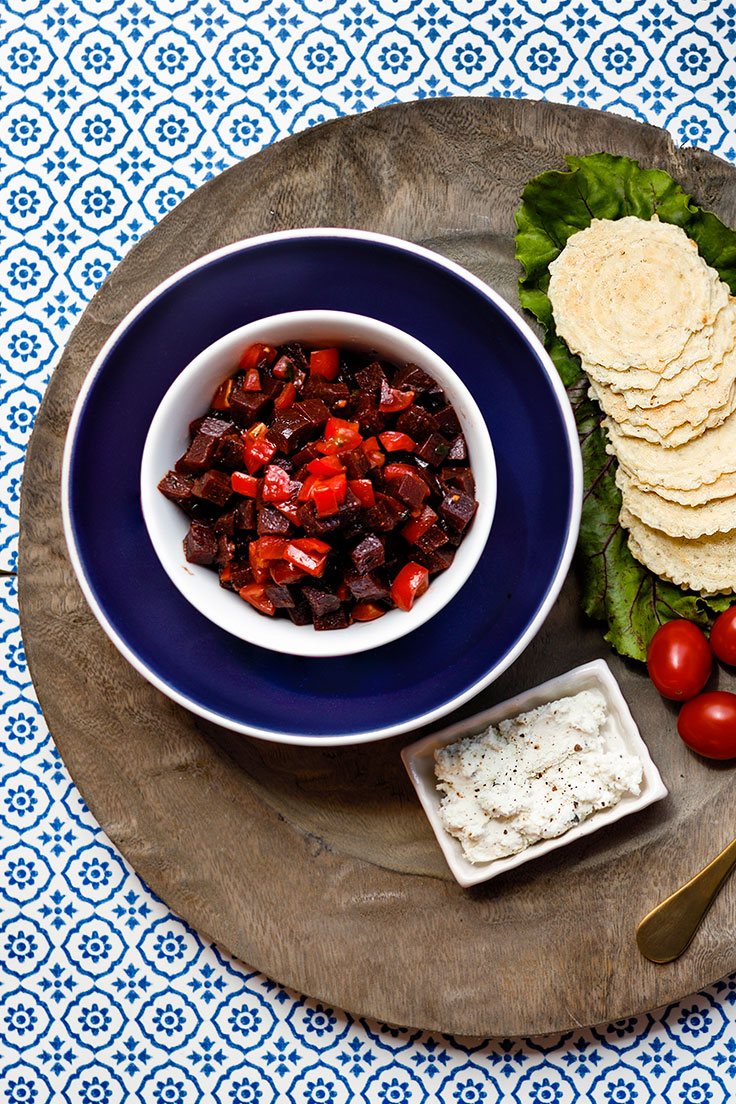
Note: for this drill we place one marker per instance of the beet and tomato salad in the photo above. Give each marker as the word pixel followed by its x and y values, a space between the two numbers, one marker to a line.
pixel 324 485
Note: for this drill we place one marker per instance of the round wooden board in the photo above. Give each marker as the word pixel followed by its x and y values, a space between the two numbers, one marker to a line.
pixel 317 866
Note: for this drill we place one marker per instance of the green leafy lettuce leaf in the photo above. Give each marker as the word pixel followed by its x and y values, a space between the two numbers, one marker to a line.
pixel 616 588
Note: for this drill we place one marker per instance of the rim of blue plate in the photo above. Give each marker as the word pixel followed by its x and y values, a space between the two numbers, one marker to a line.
pixel 190 699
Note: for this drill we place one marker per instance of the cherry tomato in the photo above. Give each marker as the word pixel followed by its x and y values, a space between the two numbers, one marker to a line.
pixel 679 660
pixel 707 724
pixel 723 636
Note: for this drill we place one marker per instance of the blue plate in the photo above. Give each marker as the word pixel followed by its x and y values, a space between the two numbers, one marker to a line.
pixel 390 689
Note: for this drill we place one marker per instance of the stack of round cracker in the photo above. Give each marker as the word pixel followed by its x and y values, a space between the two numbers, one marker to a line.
pixel 655 328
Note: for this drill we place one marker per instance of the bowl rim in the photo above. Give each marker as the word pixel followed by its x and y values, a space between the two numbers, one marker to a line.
pixel 237 618
pixel 573 449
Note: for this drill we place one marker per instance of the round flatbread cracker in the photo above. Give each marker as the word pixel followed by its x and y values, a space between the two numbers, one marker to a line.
pixel 723 487
pixel 707 565
pixel 630 292
pixel 714 342
pixel 692 410
pixel 693 464
pixel 671 517
pixel 682 434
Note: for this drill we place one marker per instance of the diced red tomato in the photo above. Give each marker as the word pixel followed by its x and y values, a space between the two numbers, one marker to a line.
pixel 325 466
pixel 257 356
pixel 393 441
pixel 284 369
pixel 309 554
pixel 244 484
pixel 397 470
pixel 325 363
pixel 289 509
pixel 285 397
pixel 276 484
pixel 373 451
pixel 391 399
pixel 252 380
pixel 329 494
pixel 418 525
pixel 263 550
pixel 410 583
pixel 363 491
pixel 306 492
pixel 255 593
pixel 340 436
pixel 221 397
pixel 257 452
pixel 367 611
pixel 325 499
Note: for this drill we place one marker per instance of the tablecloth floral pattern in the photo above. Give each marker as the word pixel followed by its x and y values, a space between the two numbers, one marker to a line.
pixel 111 112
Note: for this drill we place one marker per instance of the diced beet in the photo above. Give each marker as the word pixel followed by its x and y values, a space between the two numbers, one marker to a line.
pixel 272 523
pixel 280 596
pixel 433 399
pixel 198 457
pixel 301 612
pixel 240 574
pixel 329 391
pixel 320 601
pixel 411 377
pixel 200 544
pixel 433 449
pixel 458 449
pixel 315 526
pixel 295 353
pixel 432 539
pixel 439 560
pixel 230 452
pixel 177 488
pixel 357 464
pixel 385 515
pixel 337 619
pixel 368 586
pixel 199 509
pixel 270 385
pixel 290 429
pixel 245 514
pixel 459 479
pixel 370 378
pixel 457 509
pixel 248 407
pixel 214 485
pixel 216 427
pixel 365 410
pixel 305 455
pixel 417 422
pixel 369 553
pixel 410 489
pixel 447 421
pixel 315 410
pixel 225 523
pixel 225 550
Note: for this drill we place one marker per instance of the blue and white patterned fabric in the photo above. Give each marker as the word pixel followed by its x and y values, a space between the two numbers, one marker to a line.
pixel 110 114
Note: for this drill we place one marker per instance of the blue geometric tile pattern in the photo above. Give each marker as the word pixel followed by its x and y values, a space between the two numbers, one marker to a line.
pixel 110 114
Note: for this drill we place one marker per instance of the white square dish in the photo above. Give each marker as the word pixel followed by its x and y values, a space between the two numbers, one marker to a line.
pixel 419 761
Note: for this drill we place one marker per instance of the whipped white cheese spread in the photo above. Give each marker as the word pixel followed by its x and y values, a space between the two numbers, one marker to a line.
pixel 533 777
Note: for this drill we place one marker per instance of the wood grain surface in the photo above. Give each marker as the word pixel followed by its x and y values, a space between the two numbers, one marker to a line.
pixel 316 866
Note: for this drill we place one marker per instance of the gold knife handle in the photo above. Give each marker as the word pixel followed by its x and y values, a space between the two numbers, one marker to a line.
pixel 666 931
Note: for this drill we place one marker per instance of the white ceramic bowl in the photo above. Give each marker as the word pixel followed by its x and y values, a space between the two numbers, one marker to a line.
pixel 190 395
pixel 596 675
